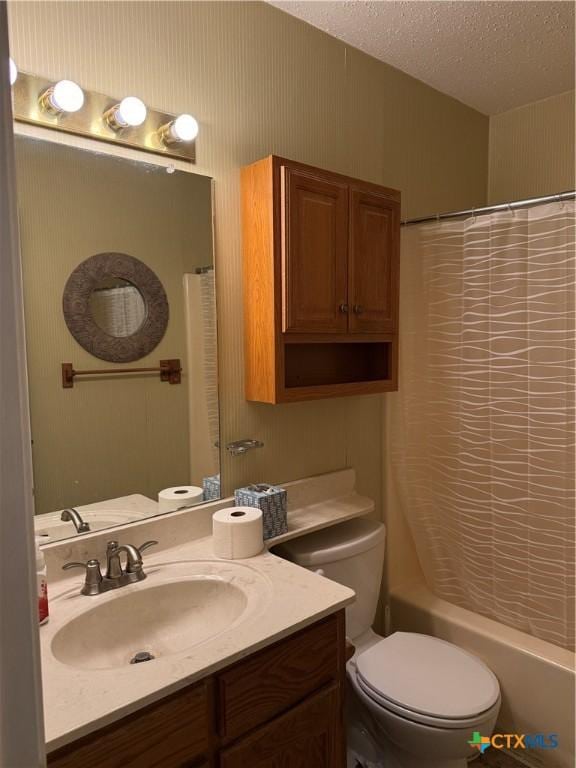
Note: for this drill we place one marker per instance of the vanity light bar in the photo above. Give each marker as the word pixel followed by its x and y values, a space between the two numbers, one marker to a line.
pixel 65 106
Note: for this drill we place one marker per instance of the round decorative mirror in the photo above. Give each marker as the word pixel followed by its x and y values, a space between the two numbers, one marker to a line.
pixel 115 307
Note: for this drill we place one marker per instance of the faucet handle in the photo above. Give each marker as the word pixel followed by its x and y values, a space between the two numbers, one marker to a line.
pixel 93 576
pixel 147 545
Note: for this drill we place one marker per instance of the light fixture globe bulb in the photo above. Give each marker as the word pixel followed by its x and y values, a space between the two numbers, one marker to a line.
pixel 130 112
pixel 67 96
pixel 13 71
pixel 184 128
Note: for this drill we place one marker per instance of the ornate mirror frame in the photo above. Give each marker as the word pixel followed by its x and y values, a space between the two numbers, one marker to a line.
pixel 78 316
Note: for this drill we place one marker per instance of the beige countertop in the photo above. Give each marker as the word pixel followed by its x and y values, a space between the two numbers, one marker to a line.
pixel 282 598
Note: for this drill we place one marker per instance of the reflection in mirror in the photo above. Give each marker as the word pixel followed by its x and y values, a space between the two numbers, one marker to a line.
pixel 130 302
pixel 117 307
pixel 110 444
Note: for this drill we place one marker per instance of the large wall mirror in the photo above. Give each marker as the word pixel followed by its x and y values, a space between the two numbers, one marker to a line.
pixel 120 309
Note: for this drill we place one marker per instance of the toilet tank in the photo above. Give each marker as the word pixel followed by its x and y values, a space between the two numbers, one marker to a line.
pixel 351 553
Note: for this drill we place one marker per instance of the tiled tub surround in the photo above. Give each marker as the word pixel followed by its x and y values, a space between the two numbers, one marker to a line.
pixel 282 599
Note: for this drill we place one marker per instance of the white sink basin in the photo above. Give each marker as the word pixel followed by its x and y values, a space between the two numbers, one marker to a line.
pixel 168 613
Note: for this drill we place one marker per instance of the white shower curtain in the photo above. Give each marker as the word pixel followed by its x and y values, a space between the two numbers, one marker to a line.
pixel 481 433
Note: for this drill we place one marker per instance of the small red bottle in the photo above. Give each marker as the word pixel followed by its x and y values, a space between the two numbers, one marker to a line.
pixel 42 584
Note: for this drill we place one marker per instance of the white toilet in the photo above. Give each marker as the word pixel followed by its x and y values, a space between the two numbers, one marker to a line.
pixel 418 699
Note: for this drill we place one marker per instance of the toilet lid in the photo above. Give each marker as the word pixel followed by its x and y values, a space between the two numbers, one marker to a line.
pixel 429 676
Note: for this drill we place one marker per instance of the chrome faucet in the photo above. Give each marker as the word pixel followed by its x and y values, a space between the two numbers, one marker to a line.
pixel 115 576
pixel 73 516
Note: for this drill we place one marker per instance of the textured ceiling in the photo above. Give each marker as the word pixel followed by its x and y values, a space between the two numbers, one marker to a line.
pixel 493 56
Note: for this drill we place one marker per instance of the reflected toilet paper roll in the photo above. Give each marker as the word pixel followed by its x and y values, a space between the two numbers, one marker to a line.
pixel 237 532
pixel 171 499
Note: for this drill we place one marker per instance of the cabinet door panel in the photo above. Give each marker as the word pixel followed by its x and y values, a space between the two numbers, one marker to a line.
pixel 314 253
pixel 269 682
pixel 308 736
pixel 373 262
pixel 174 733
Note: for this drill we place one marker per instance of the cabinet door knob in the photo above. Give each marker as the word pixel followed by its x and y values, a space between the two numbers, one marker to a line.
pixel 358 309
pixel 343 309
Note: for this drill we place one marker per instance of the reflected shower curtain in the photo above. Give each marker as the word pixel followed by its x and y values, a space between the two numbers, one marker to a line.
pixel 481 432
pixel 120 311
pixel 202 375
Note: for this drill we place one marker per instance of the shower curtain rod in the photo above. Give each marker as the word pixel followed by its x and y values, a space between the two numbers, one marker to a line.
pixel 569 195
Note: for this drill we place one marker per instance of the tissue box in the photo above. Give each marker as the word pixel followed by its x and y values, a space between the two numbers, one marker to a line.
pixel 211 486
pixel 273 503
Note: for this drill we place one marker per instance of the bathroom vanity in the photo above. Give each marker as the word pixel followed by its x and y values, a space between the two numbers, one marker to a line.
pixel 249 655
pixel 271 708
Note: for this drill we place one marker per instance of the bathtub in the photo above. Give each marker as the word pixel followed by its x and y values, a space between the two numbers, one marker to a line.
pixel 537 678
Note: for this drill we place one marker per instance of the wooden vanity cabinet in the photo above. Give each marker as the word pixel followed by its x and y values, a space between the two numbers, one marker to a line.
pixel 321 273
pixel 281 707
pixel 307 736
pixel 168 734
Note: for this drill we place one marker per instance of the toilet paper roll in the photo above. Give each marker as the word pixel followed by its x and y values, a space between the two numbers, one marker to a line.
pixel 237 532
pixel 180 496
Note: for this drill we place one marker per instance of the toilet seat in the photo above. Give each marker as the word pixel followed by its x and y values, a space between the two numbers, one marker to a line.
pixel 427 720
pixel 427 680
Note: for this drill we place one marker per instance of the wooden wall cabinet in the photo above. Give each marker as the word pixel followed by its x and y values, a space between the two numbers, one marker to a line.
pixel 282 707
pixel 321 271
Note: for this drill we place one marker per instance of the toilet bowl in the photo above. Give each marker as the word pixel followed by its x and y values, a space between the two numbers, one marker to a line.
pixel 418 699
pixel 424 698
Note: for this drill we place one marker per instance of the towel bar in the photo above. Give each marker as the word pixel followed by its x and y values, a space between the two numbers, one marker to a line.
pixel 169 370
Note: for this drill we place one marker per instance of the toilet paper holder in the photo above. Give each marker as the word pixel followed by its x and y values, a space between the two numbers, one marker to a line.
pixel 239 447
